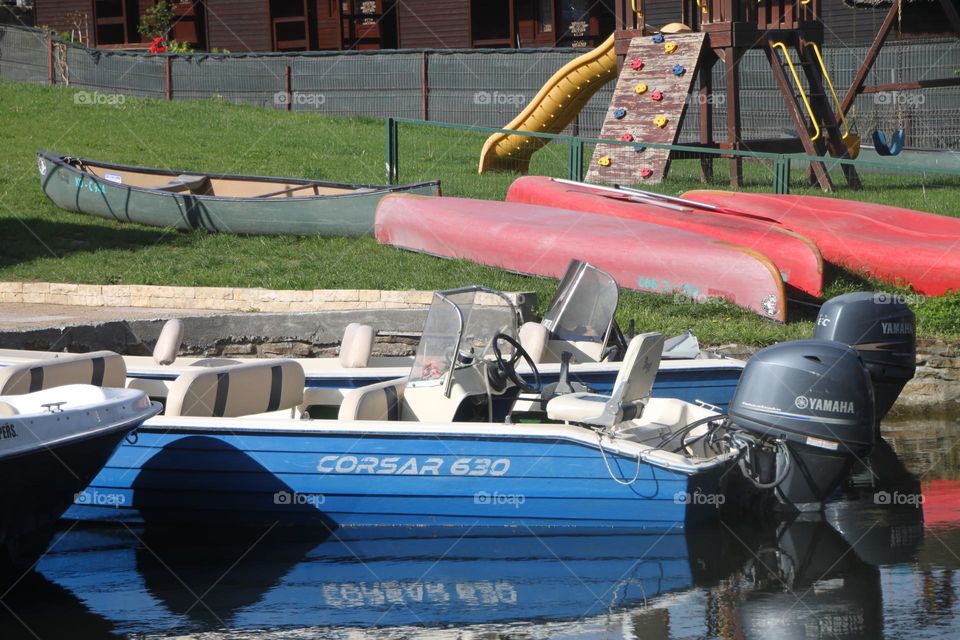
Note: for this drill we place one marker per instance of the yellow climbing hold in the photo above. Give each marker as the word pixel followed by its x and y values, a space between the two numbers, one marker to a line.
pixel 670 47
pixel 660 121
pixel 604 161
pixel 640 88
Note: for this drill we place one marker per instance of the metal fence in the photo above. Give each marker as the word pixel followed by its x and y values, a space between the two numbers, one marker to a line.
pixel 474 87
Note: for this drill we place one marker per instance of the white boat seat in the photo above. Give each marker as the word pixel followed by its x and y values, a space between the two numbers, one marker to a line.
pixel 99 368
pixel 7 410
pixel 237 390
pixel 535 340
pixel 184 183
pixel 380 401
pixel 631 389
pixel 168 342
pixel 356 346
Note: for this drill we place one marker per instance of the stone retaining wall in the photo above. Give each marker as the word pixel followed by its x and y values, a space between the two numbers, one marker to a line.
pixel 217 298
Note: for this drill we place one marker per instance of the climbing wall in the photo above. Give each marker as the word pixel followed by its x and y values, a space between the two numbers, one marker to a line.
pixel 648 105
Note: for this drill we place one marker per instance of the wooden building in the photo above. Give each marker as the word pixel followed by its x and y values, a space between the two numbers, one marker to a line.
pixel 311 25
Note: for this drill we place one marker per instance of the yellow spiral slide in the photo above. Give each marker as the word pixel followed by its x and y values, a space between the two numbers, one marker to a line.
pixel 554 107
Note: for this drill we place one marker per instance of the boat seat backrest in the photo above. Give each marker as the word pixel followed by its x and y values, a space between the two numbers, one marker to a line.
pixel 380 401
pixel 535 340
pixel 7 410
pixel 631 389
pixel 237 390
pixel 168 342
pixel 99 368
pixel 356 346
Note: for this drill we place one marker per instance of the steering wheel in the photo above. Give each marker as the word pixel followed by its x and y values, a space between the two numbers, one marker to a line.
pixel 509 367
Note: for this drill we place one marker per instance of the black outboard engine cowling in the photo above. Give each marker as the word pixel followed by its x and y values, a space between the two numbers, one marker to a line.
pixel 882 328
pixel 802 414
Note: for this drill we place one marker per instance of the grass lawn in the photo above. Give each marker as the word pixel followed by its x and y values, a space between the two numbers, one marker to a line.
pixel 41 242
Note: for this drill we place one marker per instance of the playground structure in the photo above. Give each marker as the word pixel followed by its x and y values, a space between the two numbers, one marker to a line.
pixel 894 16
pixel 788 31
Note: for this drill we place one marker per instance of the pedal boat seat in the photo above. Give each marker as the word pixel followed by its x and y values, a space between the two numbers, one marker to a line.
pixel 631 390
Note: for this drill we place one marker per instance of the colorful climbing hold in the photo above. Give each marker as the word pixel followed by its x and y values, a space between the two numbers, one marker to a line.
pixel 619 113
pixel 660 121
pixel 640 88
pixel 627 137
pixel 646 172
pixel 604 161
pixel 636 64
pixel 679 70
pixel 657 38
pixel 639 148
pixel 657 95
pixel 670 47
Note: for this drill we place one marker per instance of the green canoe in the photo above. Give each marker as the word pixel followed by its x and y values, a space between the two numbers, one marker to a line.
pixel 220 203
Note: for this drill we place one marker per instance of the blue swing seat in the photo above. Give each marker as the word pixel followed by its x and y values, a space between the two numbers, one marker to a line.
pixel 894 147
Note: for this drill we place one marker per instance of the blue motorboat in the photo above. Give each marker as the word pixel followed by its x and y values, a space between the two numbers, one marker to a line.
pixel 446 445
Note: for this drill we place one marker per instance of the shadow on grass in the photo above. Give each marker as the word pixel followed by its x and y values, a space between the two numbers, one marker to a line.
pixel 28 239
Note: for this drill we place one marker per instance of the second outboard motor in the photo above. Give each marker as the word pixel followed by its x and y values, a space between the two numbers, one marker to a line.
pixel 882 328
pixel 802 414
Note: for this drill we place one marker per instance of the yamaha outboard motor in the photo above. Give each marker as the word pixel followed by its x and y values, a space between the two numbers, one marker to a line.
pixel 883 330
pixel 802 414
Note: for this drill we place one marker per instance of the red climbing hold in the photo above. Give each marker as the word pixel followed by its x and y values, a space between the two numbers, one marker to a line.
pixel 627 137
pixel 646 172
pixel 636 64
pixel 657 95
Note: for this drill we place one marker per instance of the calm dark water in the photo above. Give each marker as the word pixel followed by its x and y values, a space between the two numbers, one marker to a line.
pixel 880 563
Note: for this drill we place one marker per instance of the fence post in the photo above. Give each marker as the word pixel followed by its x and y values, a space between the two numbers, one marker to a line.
pixel 288 87
pixel 781 174
pixel 50 77
pixel 393 151
pixel 575 161
pixel 424 77
pixel 168 71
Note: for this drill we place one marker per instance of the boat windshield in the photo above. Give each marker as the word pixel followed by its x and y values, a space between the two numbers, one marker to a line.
pixel 584 305
pixel 459 331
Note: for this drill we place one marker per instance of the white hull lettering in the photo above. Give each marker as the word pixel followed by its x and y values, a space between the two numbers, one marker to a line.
pixel 412 466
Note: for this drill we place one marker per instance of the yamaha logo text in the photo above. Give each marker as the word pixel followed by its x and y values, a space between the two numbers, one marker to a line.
pixel 824 405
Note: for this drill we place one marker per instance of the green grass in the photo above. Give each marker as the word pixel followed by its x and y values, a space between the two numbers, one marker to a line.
pixel 43 243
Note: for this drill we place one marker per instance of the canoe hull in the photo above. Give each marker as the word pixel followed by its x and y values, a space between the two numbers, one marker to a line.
pixel 899 246
pixel 329 215
pixel 797 258
pixel 541 241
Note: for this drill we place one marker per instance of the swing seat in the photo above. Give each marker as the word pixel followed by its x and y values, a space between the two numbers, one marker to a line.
pixel 852 142
pixel 894 147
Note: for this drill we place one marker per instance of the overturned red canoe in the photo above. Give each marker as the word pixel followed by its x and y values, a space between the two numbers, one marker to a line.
pixel 542 240
pixel 899 246
pixel 797 257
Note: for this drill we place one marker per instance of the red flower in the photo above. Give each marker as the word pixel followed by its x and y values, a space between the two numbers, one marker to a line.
pixel 157 46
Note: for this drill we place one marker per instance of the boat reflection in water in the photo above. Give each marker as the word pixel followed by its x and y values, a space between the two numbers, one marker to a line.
pixel 793 579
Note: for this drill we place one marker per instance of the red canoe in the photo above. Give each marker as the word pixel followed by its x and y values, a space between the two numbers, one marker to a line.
pixel 797 257
pixel 900 246
pixel 542 240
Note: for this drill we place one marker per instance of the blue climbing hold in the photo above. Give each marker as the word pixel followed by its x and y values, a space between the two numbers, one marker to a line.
pixel 658 38
pixel 620 113
pixel 678 70
pixel 639 148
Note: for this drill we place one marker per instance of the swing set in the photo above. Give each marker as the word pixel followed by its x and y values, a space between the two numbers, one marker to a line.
pixel 894 144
